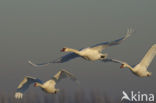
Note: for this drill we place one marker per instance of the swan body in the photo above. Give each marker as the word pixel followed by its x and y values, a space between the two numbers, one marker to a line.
pixel 141 68
pixel 48 86
pixel 87 53
pixel 141 71
pixel 92 53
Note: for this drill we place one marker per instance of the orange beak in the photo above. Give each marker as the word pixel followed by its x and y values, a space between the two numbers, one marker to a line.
pixel 122 66
pixel 35 84
pixel 63 49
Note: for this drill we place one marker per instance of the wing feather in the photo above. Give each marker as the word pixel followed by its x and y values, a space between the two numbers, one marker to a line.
pixel 62 74
pixel 147 59
pixel 24 85
pixel 66 58
pixel 104 45
pixel 62 59
pixel 113 60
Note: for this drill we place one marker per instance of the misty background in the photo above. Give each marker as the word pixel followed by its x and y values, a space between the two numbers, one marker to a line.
pixel 37 30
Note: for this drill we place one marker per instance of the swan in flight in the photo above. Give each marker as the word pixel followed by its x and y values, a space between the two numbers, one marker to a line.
pixel 48 86
pixel 92 53
pixel 141 68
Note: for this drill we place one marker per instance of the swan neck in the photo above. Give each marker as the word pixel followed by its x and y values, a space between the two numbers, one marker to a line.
pixel 40 85
pixel 128 66
pixel 73 50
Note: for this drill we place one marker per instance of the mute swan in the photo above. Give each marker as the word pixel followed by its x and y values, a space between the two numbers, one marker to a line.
pixel 141 68
pixel 92 53
pixel 48 86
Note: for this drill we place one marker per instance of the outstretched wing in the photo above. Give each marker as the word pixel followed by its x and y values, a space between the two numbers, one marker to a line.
pixel 147 59
pixel 66 58
pixel 62 74
pixel 104 45
pixel 24 85
pixel 113 60
pixel 62 59
pixel 38 65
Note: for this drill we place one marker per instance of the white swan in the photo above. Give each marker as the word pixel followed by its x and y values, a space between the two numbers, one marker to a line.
pixel 48 86
pixel 92 53
pixel 141 68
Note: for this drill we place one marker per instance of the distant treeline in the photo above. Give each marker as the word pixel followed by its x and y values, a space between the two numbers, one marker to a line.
pixel 79 96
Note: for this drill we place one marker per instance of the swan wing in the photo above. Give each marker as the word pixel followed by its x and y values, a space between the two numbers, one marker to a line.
pixel 147 59
pixel 62 59
pixel 24 85
pixel 66 58
pixel 62 74
pixel 104 45
pixel 38 65
pixel 113 60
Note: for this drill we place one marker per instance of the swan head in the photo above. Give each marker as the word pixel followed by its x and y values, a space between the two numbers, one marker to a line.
pixel 36 84
pixel 64 49
pixel 123 65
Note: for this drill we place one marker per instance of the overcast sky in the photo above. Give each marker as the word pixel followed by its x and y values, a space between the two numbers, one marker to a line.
pixel 36 30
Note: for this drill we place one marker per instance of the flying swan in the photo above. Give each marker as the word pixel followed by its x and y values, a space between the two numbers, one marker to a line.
pixel 141 68
pixel 48 86
pixel 92 53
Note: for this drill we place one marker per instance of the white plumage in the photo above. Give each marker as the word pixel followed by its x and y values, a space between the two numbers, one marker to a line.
pixel 141 68
pixel 48 86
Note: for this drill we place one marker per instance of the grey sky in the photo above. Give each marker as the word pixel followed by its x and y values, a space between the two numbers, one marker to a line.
pixel 36 30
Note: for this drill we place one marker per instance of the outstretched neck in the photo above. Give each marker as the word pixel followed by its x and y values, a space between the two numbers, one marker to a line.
pixel 131 68
pixel 39 85
pixel 73 50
